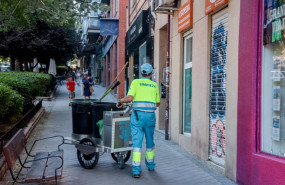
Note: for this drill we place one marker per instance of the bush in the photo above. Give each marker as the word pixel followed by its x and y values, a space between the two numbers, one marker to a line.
pixel 28 84
pixel 61 70
pixel 11 103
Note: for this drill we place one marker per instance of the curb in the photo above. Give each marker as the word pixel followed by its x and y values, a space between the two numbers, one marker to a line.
pixel 27 131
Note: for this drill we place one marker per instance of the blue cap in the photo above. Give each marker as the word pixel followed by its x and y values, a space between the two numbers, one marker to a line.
pixel 146 69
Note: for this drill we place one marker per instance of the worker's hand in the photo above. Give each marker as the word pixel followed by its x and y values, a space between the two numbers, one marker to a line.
pixel 120 105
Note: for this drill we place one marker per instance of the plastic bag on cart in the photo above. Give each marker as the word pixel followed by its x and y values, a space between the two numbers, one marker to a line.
pixel 100 125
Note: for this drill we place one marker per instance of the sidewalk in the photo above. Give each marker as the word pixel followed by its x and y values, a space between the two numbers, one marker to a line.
pixel 174 165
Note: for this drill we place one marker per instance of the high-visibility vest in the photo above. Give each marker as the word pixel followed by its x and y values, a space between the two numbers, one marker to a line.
pixel 145 93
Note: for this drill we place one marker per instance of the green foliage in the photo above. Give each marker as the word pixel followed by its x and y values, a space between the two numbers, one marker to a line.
pixel 21 14
pixel 28 84
pixel 11 103
pixel 42 42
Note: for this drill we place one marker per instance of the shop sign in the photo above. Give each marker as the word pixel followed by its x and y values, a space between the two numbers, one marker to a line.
pixel 138 28
pixel 274 21
pixel 109 26
pixel 185 16
pixel 212 5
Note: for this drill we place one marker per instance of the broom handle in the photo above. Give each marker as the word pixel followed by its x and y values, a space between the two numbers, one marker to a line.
pixel 118 75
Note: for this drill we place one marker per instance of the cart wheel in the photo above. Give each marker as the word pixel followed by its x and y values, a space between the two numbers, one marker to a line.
pixel 121 161
pixel 88 161
pixel 126 156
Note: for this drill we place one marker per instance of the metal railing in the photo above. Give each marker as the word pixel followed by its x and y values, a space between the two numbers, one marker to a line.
pixel 20 124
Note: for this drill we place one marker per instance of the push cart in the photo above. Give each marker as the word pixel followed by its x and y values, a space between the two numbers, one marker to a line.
pixel 103 129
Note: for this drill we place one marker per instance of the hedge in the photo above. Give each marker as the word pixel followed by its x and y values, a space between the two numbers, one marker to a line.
pixel 28 84
pixel 11 103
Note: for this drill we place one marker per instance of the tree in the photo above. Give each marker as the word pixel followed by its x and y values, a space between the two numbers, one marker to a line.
pixel 42 42
pixel 21 14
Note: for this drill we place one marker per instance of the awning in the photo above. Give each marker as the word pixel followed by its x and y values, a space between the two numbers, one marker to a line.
pixel 52 67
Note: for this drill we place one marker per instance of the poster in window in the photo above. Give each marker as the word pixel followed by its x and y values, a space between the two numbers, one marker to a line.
pixel 276 70
pixel 276 128
pixel 274 21
pixel 276 98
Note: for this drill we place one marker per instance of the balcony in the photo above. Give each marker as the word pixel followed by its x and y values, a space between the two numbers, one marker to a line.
pixel 93 25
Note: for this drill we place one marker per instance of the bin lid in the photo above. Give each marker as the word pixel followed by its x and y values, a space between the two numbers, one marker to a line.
pixel 83 101
pixel 103 103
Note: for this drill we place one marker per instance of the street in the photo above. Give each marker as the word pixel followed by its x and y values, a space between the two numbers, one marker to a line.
pixel 174 165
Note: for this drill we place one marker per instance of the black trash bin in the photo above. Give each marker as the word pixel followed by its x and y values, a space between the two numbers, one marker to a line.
pixel 82 117
pixel 98 109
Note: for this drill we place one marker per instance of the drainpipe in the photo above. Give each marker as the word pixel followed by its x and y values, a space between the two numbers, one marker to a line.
pixel 167 81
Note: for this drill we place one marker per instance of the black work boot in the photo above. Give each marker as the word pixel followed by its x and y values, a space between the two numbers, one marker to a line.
pixel 136 176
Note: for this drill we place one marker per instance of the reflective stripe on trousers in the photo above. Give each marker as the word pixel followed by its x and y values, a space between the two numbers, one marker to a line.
pixel 149 155
pixel 136 157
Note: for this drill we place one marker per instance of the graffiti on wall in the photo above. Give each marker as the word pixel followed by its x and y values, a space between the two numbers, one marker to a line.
pixel 218 91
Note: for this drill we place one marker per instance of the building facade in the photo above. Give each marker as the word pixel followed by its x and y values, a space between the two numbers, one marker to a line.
pixel 203 72
pixel 89 28
pixel 203 79
pixel 146 42
pixel 261 133
pixel 113 51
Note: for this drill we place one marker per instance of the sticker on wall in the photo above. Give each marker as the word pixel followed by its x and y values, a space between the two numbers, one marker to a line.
pixel 276 98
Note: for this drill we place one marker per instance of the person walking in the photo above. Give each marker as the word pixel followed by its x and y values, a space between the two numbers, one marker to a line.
pixel 87 86
pixel 144 94
pixel 70 85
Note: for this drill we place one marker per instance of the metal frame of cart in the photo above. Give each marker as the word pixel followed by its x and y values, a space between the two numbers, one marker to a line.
pixel 88 148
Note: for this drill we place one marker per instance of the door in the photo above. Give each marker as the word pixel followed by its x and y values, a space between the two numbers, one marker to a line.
pixel 218 74
pixel 187 84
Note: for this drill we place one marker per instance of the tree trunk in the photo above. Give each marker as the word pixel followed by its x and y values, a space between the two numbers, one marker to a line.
pixel 12 63
pixel 26 66
pixel 17 64
pixel 21 64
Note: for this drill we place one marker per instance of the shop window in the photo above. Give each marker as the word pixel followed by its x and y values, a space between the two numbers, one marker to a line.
pixel 273 80
pixel 187 84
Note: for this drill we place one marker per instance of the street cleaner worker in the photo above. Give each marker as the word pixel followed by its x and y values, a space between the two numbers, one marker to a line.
pixel 144 94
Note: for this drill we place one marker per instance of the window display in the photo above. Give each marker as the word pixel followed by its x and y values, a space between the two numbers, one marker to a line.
pixel 273 79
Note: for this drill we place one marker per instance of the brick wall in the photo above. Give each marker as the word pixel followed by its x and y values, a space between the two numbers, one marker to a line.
pixel 117 51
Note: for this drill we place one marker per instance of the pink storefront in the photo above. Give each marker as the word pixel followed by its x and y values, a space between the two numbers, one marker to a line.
pixel 261 93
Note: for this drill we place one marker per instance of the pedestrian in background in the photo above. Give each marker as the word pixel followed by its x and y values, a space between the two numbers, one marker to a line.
pixel 70 85
pixel 144 94
pixel 87 86
pixel 78 76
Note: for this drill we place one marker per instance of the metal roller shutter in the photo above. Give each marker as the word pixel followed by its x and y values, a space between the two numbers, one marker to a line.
pixel 218 88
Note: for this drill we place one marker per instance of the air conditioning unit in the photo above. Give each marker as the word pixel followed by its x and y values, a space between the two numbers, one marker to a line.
pixel 165 5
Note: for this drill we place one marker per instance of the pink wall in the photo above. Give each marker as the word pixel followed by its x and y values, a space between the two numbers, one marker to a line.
pixel 253 167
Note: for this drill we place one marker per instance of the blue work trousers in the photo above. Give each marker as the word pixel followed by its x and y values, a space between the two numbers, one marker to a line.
pixel 143 126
